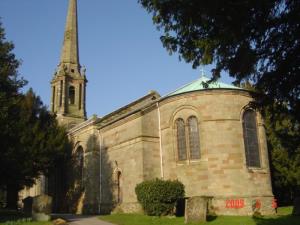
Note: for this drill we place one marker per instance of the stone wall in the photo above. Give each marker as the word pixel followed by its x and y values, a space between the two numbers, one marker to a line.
pixel 124 151
pixel 129 152
pixel 221 171
pixel 84 193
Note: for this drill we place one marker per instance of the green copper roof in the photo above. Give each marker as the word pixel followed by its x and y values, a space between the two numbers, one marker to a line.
pixel 201 84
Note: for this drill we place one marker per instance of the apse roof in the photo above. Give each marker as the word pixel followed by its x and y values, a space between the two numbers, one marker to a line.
pixel 201 84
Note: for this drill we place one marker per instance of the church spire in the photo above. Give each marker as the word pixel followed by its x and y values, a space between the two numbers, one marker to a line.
pixel 69 54
pixel 69 81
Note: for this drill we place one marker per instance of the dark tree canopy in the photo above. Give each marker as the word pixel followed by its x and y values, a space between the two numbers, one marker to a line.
pixel 255 40
pixel 283 138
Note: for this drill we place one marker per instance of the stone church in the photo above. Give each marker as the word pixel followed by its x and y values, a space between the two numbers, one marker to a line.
pixel 205 135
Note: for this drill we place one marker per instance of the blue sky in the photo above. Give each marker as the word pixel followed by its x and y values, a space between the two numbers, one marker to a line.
pixel 118 44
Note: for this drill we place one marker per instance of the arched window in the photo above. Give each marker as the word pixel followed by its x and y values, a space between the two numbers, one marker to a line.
pixel 71 95
pixel 181 139
pixel 119 193
pixel 194 141
pixel 250 139
pixel 79 164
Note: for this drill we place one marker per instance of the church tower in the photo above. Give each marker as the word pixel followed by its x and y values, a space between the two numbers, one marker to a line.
pixel 69 81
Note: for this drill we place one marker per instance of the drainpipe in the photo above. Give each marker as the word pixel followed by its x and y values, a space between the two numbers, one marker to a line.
pixel 160 143
pixel 100 171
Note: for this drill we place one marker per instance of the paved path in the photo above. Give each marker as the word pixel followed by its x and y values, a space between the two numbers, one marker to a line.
pixel 83 220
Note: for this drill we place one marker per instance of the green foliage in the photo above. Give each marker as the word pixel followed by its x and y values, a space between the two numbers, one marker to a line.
pixel 283 211
pixel 9 82
pixel 283 136
pixel 39 143
pixel 158 197
pixel 252 40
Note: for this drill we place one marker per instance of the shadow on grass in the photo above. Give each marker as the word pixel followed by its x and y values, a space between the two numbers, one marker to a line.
pixel 281 220
pixel 13 216
pixel 210 218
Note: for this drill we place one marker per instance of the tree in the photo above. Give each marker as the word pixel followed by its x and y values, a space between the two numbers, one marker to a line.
pixel 32 143
pixel 252 40
pixel 10 86
pixel 39 145
pixel 283 137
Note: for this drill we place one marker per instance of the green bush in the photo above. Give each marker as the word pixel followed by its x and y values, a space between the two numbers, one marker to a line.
pixel 159 197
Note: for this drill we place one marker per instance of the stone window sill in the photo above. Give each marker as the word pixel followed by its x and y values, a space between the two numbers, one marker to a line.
pixel 190 162
pixel 257 170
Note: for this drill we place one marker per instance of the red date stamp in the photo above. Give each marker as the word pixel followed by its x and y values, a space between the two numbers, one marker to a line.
pixel 235 203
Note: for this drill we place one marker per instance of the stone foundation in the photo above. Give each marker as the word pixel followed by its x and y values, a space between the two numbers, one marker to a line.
pixel 130 207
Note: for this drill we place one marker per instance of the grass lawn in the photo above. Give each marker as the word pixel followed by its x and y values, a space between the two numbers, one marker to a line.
pixel 25 223
pixel 284 217
pixel 16 218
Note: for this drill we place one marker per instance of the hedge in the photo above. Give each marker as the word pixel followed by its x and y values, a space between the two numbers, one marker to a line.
pixel 158 197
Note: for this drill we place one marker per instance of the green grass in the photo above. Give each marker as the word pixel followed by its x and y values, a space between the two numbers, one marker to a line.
pixel 287 210
pixel 283 217
pixel 19 222
pixel 9 217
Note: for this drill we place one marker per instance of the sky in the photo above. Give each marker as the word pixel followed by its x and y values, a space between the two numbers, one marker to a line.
pixel 118 45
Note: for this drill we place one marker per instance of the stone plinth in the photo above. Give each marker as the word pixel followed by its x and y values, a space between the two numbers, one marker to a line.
pixel 41 208
pixel 195 209
pixel 27 208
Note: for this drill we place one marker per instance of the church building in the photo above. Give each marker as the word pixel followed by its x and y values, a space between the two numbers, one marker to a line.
pixel 205 135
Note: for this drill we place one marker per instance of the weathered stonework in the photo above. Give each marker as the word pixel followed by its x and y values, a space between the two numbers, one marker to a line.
pixel 69 82
pixel 41 208
pixel 196 209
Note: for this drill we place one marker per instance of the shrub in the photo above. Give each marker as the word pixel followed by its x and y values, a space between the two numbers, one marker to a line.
pixel 158 197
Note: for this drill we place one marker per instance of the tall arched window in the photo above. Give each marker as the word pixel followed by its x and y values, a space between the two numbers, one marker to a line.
pixel 119 192
pixel 79 163
pixel 181 139
pixel 250 139
pixel 194 141
pixel 71 95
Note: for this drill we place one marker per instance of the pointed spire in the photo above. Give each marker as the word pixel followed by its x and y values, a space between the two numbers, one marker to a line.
pixel 69 54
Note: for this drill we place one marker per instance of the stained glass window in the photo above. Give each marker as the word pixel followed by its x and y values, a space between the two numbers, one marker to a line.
pixel 250 139
pixel 181 139
pixel 194 141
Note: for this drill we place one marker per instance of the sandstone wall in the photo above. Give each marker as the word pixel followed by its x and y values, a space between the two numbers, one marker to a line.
pixel 130 153
pixel 221 172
